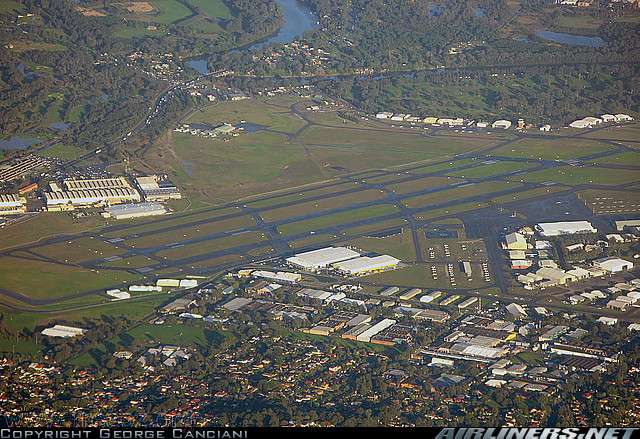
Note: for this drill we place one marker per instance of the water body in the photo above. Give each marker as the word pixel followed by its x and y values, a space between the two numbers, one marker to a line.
pixel 60 125
pixel 578 40
pixel 479 12
pixel 17 142
pixel 298 19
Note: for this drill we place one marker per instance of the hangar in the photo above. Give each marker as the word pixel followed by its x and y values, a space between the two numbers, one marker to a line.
pixel 366 265
pixel 565 228
pixel 324 257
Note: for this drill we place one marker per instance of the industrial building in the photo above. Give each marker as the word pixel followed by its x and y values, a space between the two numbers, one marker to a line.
pixel 613 264
pixel 117 294
pixel 136 210
pixel 515 241
pixel 504 124
pixel 410 294
pixel 516 310
pixel 565 228
pixel 373 330
pixel 73 193
pixel 12 204
pixel 63 331
pixel 154 188
pixel 69 200
pixel 367 265
pixel 280 276
pixel 324 257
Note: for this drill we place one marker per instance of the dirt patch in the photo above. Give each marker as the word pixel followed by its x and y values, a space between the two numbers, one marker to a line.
pixel 140 8
pixel 90 12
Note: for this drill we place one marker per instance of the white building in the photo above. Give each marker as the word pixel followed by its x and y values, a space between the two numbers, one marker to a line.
pixel 117 294
pixel 136 210
pixel 63 331
pixel 373 330
pixel 365 264
pixel 565 228
pixel 613 264
pixel 11 204
pixel 515 241
pixel 516 310
pixel 504 124
pixel 324 257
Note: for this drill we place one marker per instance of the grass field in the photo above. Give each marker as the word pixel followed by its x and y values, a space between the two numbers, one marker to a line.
pixel 273 113
pixel 336 219
pixel 213 245
pixel 321 205
pixel 573 175
pixel 44 225
pixel 63 152
pixel 400 245
pixel 457 193
pixel 624 158
pixel 50 281
pixel 321 135
pixel 489 170
pixel 532 193
pixel 79 250
pixel 551 149
pixel 192 232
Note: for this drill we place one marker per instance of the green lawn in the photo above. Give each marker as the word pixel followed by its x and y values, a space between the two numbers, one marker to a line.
pixel 336 219
pixel 551 149
pixel 573 175
pixel 43 280
pixel 64 152
pixel 491 169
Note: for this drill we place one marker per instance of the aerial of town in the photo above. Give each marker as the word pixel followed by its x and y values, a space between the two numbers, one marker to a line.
pixel 319 213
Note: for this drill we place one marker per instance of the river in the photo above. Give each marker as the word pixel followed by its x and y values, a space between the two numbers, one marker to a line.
pixel 298 19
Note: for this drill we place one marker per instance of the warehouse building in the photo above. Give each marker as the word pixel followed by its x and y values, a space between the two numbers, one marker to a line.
pixel 373 330
pixel 12 204
pixel 75 184
pixel 63 331
pixel 283 277
pixel 322 258
pixel 613 264
pixel 154 188
pixel 565 228
pixel 410 294
pixel 516 310
pixel 69 200
pixel 503 124
pixel 367 265
pixel 136 210
pixel 515 241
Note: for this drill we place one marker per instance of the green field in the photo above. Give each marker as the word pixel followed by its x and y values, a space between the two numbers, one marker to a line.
pixel 572 175
pixel 336 219
pixel 489 170
pixel 552 149
pixel 447 195
pixel 400 246
pixel 317 206
pixel 50 281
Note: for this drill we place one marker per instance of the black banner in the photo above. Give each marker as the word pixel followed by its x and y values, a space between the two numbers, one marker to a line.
pixel 311 432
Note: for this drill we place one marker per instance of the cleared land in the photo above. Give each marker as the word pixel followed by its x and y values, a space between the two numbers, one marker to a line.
pixel 552 149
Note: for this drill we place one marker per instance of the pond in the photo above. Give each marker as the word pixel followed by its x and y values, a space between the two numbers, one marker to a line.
pixel 17 142
pixel 578 40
